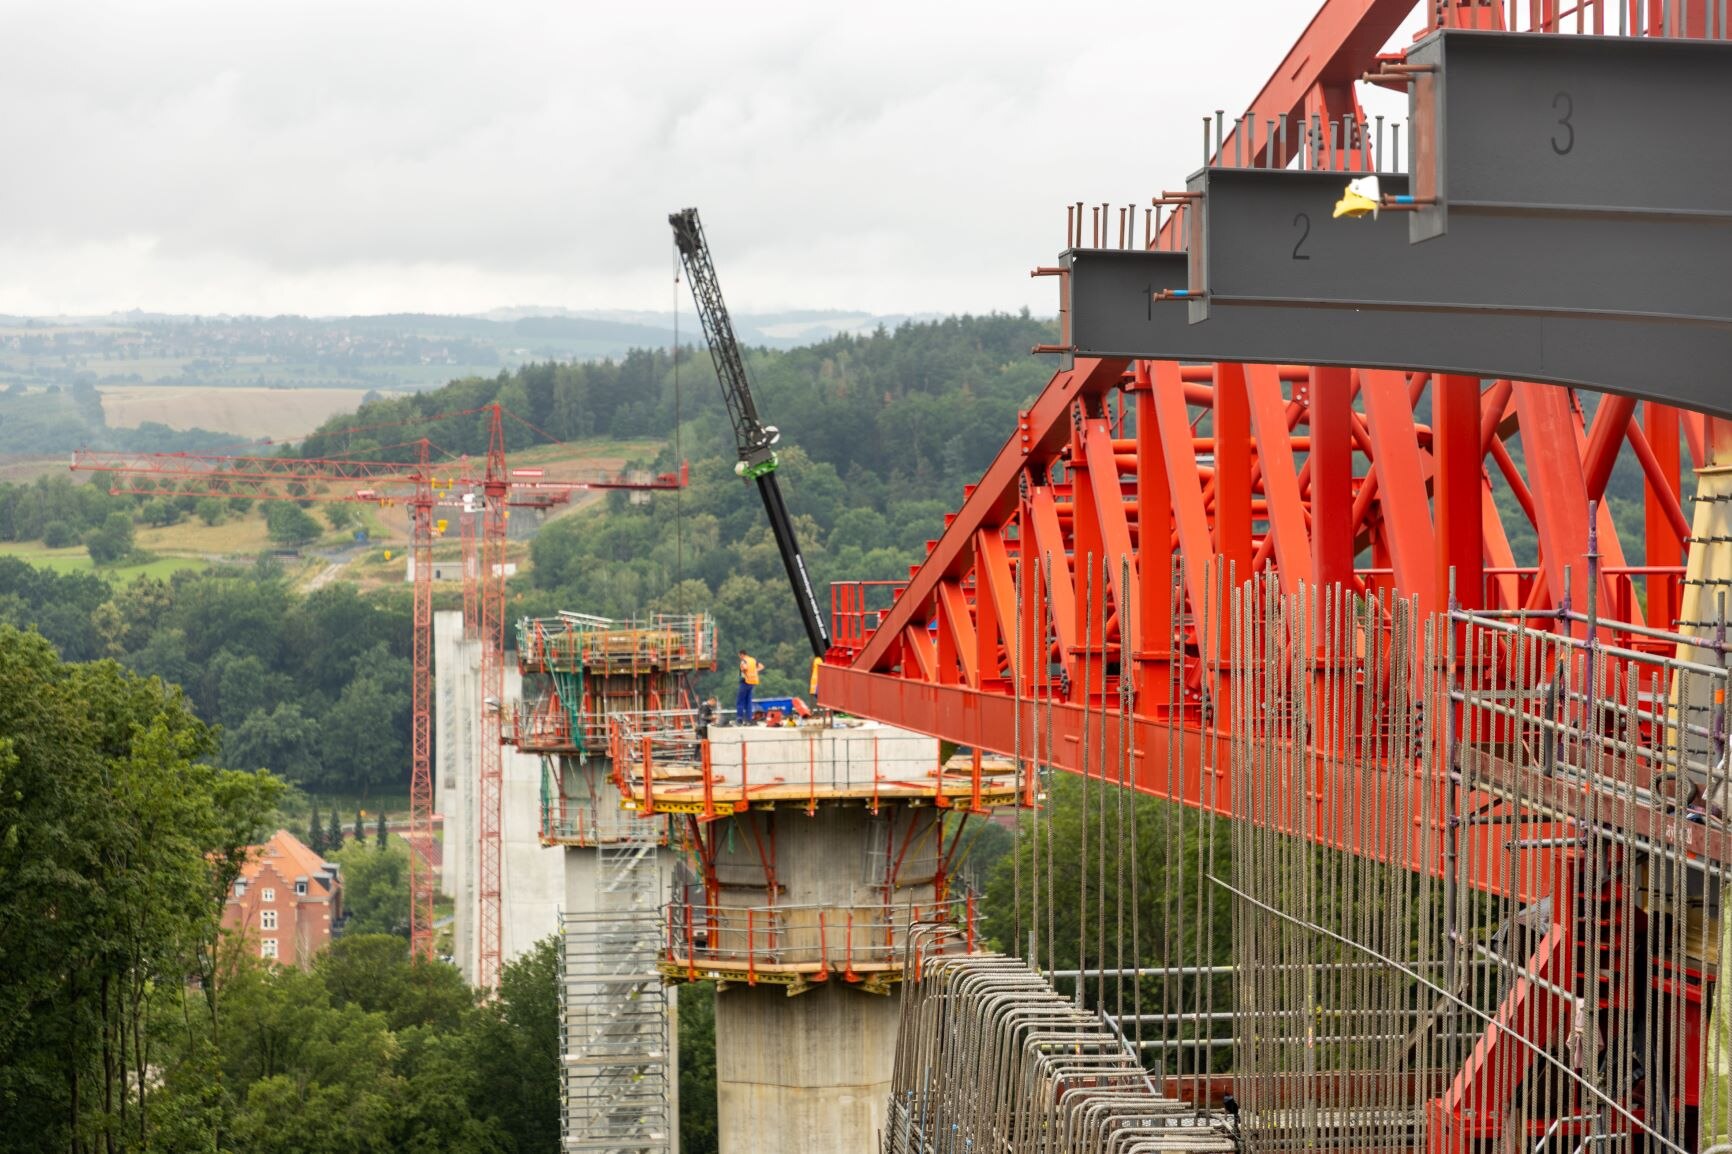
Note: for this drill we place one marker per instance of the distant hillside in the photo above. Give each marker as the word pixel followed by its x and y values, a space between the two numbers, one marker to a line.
pixel 397 352
pixel 880 433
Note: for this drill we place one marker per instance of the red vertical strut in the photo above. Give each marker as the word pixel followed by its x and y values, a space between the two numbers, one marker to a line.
pixel 496 490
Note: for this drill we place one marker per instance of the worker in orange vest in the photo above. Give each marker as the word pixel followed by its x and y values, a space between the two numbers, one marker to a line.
pixel 750 667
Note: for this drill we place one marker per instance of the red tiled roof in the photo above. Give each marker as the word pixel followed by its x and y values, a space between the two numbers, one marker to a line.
pixel 286 853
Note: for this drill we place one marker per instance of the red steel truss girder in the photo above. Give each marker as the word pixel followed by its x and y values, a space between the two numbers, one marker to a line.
pixel 1195 774
pixel 1084 501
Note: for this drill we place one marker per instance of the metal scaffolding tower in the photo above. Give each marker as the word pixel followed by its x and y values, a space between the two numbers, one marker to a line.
pixel 614 1026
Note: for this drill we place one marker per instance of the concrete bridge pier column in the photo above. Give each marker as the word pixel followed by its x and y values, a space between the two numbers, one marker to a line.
pixel 807 1074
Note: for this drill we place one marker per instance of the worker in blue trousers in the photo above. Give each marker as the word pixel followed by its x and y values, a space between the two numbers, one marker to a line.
pixel 750 667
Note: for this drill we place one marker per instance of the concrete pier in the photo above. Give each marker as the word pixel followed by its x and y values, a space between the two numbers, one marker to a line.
pixel 532 882
pixel 802 1075
pixel 819 846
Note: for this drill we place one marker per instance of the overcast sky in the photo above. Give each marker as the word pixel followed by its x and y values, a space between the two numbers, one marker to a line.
pixel 361 156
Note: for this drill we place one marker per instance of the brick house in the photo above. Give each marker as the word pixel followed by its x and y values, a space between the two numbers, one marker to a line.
pixel 287 901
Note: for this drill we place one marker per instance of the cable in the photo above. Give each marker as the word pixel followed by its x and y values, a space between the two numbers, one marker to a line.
pixel 679 497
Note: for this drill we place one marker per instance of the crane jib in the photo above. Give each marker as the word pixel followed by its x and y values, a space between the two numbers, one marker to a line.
pixel 752 437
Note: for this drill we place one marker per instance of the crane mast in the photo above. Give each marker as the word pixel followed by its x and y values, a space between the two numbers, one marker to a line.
pixel 754 440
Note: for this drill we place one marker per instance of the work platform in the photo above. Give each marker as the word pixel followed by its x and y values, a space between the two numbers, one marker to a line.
pixel 735 768
pixel 814 853
pixel 594 667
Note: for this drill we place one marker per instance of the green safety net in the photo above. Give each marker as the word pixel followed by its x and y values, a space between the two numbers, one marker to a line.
pixel 568 684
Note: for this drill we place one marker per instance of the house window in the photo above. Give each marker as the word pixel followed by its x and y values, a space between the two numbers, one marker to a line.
pixel 267 895
pixel 301 889
pixel 240 887
pixel 267 919
pixel 268 948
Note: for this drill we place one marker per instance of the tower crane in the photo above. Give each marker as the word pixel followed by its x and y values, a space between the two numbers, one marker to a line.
pixel 754 440
pixel 482 496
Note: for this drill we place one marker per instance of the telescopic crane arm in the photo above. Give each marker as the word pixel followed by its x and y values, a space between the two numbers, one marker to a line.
pixel 754 440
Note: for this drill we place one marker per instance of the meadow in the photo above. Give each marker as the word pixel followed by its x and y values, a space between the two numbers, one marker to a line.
pixel 247 412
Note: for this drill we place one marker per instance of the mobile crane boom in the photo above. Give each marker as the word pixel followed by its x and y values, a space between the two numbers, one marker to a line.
pixel 754 440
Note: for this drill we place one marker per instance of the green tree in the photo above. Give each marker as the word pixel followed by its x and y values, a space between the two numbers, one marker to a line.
pixel 340 516
pixel 316 830
pixel 698 1132
pixel 159 512
pixel 58 535
pixel 375 972
pixel 112 541
pixel 381 835
pixel 121 841
pixel 211 510
pixel 360 831
pixel 289 524
pixel 364 732
pixel 376 888
pixel 282 741
pixel 334 833
pixel 516 1050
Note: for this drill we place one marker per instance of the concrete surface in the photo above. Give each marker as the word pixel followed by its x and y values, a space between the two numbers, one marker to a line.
pixel 803 1075
pixel 532 882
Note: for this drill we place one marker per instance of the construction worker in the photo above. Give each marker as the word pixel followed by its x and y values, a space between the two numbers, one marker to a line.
pixel 750 668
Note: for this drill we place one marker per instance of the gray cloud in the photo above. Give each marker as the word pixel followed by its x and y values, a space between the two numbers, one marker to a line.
pixel 329 156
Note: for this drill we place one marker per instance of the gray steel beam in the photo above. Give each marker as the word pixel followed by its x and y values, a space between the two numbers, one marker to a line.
pixel 1267 237
pixel 1113 314
pixel 1512 123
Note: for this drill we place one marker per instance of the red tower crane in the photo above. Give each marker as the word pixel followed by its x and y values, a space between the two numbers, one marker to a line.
pixel 415 485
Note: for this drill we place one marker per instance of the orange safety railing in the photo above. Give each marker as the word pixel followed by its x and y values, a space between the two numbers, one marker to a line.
pixel 856 608
pixel 574 816
pixel 539 725
pixel 811 938
pixel 574 641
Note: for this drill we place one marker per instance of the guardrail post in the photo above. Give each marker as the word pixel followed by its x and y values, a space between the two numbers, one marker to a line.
pixel 709 786
pixel 691 946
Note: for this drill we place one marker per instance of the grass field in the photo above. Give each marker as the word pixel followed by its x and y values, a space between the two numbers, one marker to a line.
pixel 22 468
pixel 281 414
pixel 74 559
pixel 193 538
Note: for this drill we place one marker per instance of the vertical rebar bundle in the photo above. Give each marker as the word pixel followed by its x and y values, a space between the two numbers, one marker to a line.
pixel 991 1057
pixel 1477 865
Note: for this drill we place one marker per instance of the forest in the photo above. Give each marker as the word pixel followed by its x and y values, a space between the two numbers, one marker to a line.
pixel 129 1021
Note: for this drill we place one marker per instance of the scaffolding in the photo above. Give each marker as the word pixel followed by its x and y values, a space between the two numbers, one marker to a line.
pixel 589 669
pixel 614 1025
pixel 615 1046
